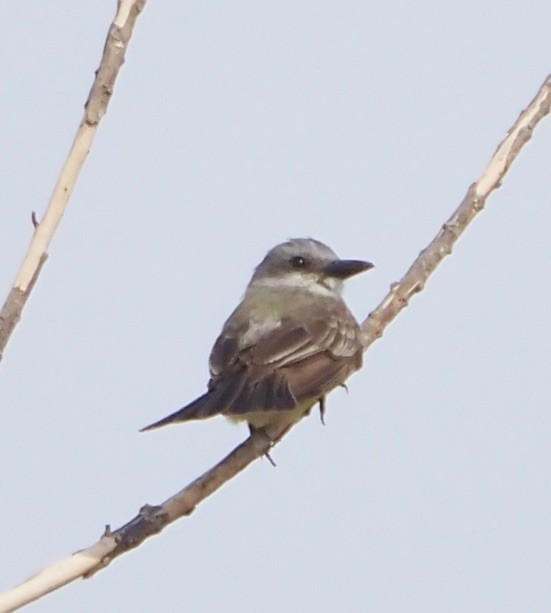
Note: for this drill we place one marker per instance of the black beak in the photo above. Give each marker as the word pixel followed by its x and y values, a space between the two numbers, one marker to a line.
pixel 343 269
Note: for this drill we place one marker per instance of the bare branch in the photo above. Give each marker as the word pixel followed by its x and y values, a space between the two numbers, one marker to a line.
pixel 152 519
pixel 55 576
pixel 415 278
pixel 95 108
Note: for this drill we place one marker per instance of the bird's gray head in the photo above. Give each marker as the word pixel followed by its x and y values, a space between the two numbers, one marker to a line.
pixel 305 263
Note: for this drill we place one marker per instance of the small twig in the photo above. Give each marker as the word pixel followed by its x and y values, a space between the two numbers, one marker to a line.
pixel 95 107
pixel 150 520
pixel 473 202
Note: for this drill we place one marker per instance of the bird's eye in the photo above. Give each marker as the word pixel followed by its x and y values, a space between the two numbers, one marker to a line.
pixel 297 261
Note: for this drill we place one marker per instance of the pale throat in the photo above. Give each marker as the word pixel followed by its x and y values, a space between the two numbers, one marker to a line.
pixel 326 286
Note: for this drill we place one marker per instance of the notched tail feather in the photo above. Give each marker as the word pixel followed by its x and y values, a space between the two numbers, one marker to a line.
pixel 198 409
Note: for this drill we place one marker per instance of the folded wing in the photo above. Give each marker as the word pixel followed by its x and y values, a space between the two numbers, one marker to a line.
pixel 278 367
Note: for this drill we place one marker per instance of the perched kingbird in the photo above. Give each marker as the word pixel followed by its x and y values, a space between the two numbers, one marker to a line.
pixel 288 344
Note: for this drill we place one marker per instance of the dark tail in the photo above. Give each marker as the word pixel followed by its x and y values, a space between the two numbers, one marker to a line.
pixel 198 409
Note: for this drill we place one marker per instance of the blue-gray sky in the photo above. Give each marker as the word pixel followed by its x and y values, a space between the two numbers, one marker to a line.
pixel 233 127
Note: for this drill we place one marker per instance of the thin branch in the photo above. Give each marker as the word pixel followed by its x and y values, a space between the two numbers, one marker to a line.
pixel 415 278
pixel 95 108
pixel 152 519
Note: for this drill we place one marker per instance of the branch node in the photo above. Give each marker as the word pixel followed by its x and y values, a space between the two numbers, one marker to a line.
pixel 478 203
pixel 150 520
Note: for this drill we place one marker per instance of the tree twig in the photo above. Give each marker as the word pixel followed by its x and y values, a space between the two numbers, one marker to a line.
pixel 95 108
pixel 149 520
pixel 473 202
pixel 152 519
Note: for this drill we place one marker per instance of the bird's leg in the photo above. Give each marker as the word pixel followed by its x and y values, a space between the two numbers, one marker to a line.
pixel 252 430
pixel 269 458
pixel 321 402
pixel 343 385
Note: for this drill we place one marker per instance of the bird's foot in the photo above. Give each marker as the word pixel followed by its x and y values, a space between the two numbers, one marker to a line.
pixel 322 407
pixel 267 455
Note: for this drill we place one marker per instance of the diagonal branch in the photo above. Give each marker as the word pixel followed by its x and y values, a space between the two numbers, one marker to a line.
pixel 95 108
pixel 473 202
pixel 152 519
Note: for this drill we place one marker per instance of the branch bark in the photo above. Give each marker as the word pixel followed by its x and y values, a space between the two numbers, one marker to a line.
pixel 152 519
pixel 415 278
pixel 95 108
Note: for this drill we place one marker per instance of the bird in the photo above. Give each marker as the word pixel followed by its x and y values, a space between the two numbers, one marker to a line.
pixel 289 342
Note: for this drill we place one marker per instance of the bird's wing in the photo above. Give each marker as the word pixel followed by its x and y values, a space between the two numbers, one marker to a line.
pixel 282 365
pixel 275 365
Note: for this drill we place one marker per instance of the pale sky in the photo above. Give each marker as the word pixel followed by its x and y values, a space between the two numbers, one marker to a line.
pixel 235 125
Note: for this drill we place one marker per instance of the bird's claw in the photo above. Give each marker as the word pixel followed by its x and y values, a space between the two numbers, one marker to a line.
pixel 321 403
pixel 267 455
pixel 269 458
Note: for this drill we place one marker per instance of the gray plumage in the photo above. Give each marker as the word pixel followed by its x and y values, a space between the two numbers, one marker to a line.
pixel 289 342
